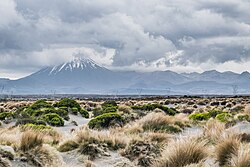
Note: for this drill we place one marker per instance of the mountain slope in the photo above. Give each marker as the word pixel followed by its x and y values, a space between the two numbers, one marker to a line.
pixel 83 75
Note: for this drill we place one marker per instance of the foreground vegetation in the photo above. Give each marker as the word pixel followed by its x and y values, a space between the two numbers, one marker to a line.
pixel 173 132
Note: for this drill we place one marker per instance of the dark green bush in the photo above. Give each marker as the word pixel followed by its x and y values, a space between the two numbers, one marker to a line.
pixel 223 117
pixel 74 110
pixel 199 116
pixel 214 113
pixel 243 117
pixel 40 104
pixel 84 113
pixel 60 112
pixel 106 120
pixel 97 111
pixel 110 109
pixel 110 103
pixel 30 120
pixel 53 119
pixel 33 112
pixel 5 115
pixel 69 103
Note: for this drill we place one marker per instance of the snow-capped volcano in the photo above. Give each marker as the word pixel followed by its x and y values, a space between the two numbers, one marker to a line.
pixel 78 63
pixel 83 75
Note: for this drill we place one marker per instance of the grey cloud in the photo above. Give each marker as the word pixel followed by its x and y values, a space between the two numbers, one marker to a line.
pixel 138 30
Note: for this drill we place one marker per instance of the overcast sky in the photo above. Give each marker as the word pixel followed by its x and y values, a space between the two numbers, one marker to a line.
pixel 142 35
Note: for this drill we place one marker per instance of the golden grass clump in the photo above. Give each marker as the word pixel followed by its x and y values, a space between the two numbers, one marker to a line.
pixel 213 130
pixel 183 152
pixel 10 136
pixel 247 110
pixel 158 137
pixel 124 109
pixel 226 148
pixel 30 140
pixel 112 139
pixel 39 154
pixel 242 158
pixel 157 122
pixel 45 156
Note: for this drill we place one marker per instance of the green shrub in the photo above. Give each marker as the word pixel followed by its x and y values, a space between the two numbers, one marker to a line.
pixel 97 111
pixel 106 120
pixel 100 111
pixel 199 116
pixel 33 112
pixel 63 108
pixel 110 109
pixel 68 146
pixel 30 120
pixel 214 113
pixel 74 110
pixel 223 117
pixel 60 112
pixel 84 113
pixel 35 127
pixel 40 104
pixel 53 119
pixel 243 117
pixel 69 103
pixel 5 115
pixel 110 103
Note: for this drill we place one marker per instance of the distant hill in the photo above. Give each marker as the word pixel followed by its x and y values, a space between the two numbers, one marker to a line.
pixel 83 75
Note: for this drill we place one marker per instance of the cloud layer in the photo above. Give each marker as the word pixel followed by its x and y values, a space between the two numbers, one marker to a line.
pixel 181 35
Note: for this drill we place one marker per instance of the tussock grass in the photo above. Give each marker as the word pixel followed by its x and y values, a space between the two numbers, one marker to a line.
pixel 68 146
pixel 242 158
pixel 113 140
pixel 45 156
pixel 213 130
pixel 247 110
pixel 226 149
pixel 183 152
pixel 157 122
pixel 10 136
pixel 142 152
pixel 30 140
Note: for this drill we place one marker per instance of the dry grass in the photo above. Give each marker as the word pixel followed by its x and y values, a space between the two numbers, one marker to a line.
pixel 157 137
pixel 30 140
pixel 183 152
pixel 225 149
pixel 157 122
pixel 242 158
pixel 45 156
pixel 247 110
pixel 50 136
pixel 125 109
pixel 112 139
pixel 213 130
pixel 10 136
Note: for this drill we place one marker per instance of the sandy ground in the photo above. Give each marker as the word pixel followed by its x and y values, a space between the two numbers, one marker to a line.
pixel 68 125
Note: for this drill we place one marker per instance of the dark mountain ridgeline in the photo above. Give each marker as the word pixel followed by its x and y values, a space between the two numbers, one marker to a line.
pixel 83 75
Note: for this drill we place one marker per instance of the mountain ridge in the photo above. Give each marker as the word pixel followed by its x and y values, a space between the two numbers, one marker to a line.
pixel 83 75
